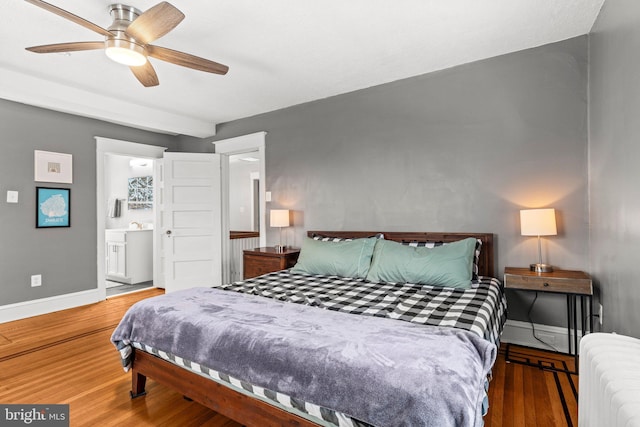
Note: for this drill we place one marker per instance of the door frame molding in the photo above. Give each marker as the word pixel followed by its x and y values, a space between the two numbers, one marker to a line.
pixel 105 146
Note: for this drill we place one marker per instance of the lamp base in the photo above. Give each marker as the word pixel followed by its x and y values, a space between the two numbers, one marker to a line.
pixel 280 248
pixel 541 268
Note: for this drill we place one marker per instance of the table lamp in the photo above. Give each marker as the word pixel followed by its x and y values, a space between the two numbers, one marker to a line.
pixel 538 222
pixel 279 218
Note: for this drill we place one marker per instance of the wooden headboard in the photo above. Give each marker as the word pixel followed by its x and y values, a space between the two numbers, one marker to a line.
pixel 485 263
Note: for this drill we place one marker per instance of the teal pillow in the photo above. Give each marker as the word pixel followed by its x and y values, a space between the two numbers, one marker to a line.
pixel 345 259
pixel 449 265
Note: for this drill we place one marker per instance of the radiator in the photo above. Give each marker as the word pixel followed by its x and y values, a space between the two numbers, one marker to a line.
pixel 232 271
pixel 609 381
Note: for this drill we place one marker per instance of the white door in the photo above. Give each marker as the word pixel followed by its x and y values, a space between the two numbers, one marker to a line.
pixel 191 220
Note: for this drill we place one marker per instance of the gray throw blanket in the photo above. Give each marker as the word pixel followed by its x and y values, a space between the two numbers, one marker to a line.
pixel 381 371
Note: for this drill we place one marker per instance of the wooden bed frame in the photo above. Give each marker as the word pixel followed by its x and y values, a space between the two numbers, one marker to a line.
pixel 252 411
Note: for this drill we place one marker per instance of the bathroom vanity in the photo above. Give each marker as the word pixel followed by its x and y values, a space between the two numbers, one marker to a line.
pixel 129 256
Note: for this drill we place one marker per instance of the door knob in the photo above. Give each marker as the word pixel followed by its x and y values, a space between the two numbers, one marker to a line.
pixel 169 233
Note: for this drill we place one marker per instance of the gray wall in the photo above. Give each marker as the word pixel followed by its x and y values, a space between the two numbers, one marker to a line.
pixel 66 257
pixel 458 150
pixel 191 144
pixel 614 156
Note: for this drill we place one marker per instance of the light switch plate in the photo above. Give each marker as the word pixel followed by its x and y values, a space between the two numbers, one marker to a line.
pixel 267 196
pixel 36 280
pixel 12 197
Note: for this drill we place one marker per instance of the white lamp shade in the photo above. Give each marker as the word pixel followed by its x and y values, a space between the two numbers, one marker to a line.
pixel 279 218
pixel 538 222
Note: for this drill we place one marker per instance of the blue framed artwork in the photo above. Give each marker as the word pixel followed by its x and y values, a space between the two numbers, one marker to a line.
pixel 53 207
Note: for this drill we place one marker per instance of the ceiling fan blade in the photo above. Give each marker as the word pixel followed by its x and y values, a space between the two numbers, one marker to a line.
pixel 186 60
pixel 155 23
pixel 146 74
pixel 70 16
pixel 66 47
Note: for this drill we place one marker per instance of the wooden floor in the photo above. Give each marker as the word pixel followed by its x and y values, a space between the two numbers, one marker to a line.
pixel 521 395
pixel 39 365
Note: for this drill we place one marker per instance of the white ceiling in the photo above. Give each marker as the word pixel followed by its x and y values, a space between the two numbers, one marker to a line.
pixel 280 53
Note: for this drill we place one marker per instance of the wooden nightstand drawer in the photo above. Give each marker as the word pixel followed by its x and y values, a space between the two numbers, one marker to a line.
pixel 257 265
pixel 560 281
pixel 261 261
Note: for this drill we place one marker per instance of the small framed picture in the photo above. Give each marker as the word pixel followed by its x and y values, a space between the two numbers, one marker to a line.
pixel 53 207
pixel 53 167
pixel 140 192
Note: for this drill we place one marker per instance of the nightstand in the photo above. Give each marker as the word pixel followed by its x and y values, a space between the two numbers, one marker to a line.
pixel 261 261
pixel 572 284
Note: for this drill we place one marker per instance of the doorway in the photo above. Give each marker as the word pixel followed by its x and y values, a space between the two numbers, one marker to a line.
pixel 125 175
pixel 252 143
pixel 244 194
pixel 130 218
pixel 243 157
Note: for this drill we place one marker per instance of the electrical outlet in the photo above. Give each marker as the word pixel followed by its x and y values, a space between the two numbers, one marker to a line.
pixel 36 280
pixel 600 314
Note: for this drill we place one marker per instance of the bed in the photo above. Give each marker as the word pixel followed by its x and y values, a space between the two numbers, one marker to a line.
pixel 398 353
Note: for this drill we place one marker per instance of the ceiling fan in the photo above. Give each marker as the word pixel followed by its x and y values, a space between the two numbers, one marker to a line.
pixel 128 39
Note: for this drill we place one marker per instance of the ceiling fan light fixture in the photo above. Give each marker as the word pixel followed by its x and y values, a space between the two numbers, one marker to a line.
pixel 126 52
pixel 128 39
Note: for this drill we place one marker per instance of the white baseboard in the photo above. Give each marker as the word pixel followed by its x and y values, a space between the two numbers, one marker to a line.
pixel 521 333
pixel 22 310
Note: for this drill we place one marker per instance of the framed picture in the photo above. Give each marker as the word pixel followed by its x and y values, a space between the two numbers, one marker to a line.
pixel 53 167
pixel 53 207
pixel 140 192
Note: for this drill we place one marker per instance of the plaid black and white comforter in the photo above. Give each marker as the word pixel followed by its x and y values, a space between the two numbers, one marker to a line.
pixel 481 309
